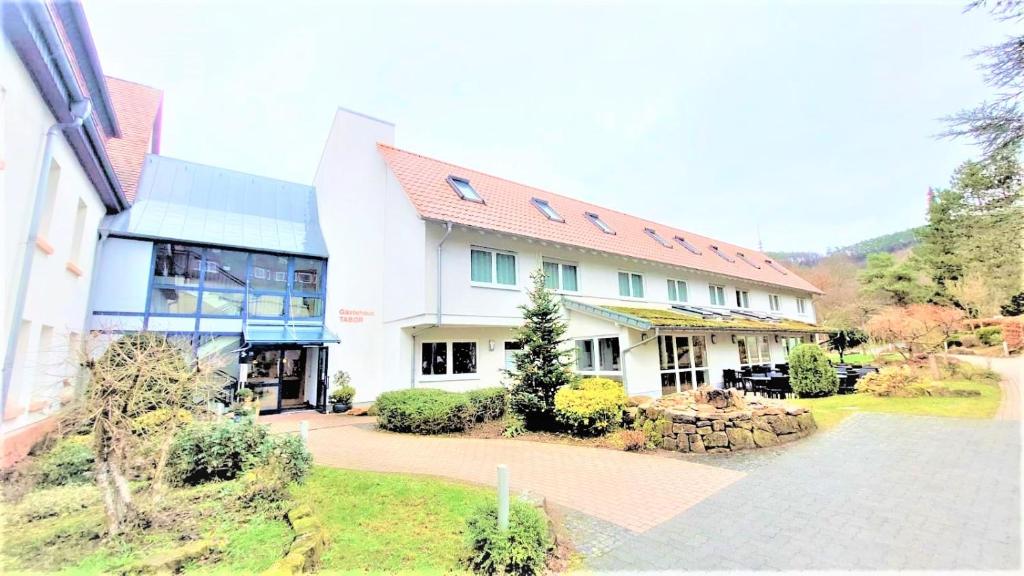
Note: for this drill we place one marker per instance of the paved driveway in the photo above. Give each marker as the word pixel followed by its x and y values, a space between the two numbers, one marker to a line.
pixel 878 492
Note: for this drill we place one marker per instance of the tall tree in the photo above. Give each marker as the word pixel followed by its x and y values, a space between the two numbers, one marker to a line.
pixel 942 242
pixel 900 283
pixel 543 365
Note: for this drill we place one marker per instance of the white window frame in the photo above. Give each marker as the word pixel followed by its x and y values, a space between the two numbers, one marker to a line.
pixel 774 302
pixel 594 341
pixel 676 283
pixel 494 268
pixel 719 290
pixel 560 264
pixel 505 355
pixel 643 285
pixel 742 298
pixel 759 339
pixel 801 306
pixel 693 369
pixel 449 362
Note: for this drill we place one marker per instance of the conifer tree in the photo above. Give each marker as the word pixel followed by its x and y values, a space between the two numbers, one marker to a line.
pixel 543 363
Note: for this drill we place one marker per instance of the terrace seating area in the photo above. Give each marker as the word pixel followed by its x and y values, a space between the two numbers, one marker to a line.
pixel 772 381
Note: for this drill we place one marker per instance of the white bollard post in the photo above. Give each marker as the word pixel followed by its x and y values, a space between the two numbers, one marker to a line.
pixel 502 497
pixel 304 431
pixel 1006 348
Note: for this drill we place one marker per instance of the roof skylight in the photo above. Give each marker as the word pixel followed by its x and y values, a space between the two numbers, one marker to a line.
pixel 600 223
pixel 748 261
pixel 775 266
pixel 682 242
pixel 650 232
pixel 722 254
pixel 547 210
pixel 464 189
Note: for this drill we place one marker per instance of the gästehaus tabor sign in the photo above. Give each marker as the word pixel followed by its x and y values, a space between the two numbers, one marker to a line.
pixel 353 316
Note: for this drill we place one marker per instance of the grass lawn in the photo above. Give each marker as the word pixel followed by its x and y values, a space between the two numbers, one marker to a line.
pixel 390 522
pixel 831 410
pixel 380 523
pixel 862 357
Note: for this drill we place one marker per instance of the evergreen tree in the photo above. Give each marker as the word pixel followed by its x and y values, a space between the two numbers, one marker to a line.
pixel 845 339
pixel 942 246
pixel 543 363
pixel 898 283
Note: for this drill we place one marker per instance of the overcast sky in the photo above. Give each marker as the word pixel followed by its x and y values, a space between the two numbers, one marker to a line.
pixel 811 123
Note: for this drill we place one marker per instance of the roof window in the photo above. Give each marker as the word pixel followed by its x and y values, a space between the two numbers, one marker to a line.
pixel 775 266
pixel 650 232
pixel 682 242
pixel 723 255
pixel 464 189
pixel 744 258
pixel 600 223
pixel 546 209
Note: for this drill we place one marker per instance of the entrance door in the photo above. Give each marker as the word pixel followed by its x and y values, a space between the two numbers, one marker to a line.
pixel 321 379
pixel 293 377
pixel 264 378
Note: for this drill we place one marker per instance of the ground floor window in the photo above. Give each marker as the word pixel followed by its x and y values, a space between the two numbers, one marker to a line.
pixel 753 350
pixel 790 343
pixel 512 348
pixel 444 358
pixel 595 355
pixel 683 362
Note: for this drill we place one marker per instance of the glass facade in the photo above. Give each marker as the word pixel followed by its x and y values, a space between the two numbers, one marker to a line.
pixel 220 283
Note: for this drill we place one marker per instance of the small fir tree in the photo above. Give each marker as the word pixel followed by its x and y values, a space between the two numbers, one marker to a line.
pixel 543 363
pixel 844 339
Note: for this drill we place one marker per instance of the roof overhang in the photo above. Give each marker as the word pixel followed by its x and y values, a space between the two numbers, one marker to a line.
pixel 288 334
pixel 674 320
pixel 36 34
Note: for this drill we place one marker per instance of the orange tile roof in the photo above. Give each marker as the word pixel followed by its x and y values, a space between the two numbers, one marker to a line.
pixel 507 208
pixel 138 108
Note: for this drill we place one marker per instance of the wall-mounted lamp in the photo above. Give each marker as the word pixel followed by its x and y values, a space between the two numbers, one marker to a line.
pixel 733 336
pixel 490 345
pixel 776 338
pixel 712 338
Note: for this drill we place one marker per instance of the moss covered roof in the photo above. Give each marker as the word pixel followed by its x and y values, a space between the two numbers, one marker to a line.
pixel 671 319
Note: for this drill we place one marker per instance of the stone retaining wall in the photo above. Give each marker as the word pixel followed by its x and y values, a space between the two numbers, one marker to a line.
pixel 704 428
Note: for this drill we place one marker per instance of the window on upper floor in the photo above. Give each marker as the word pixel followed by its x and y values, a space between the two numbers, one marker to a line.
pixel 801 306
pixel 547 210
pixel 677 291
pixel 774 303
pixel 560 276
pixel 742 299
pixel 78 233
pixel 743 257
pixel 721 254
pixel 601 225
pixel 717 295
pixel 492 267
pixel 464 189
pixel 631 285
pixel 657 237
pixel 685 244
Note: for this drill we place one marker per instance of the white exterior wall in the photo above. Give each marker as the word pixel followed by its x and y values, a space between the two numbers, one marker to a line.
pixel 57 301
pixel 122 276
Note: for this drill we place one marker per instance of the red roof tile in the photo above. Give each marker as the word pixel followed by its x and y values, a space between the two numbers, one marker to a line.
pixel 138 108
pixel 507 208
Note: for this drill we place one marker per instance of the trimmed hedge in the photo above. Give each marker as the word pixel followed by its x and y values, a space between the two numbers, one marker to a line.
pixel 487 403
pixel 424 411
pixel 810 373
pixel 522 549
pixel 590 406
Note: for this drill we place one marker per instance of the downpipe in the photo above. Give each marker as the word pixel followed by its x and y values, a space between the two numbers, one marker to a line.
pixel 80 112
pixel 438 319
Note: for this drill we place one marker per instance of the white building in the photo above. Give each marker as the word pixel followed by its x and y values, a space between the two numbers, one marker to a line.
pixel 69 142
pixel 432 260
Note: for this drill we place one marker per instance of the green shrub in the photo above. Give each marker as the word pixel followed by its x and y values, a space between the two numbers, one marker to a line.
pixel 488 403
pixel 990 335
pixel 654 431
pixel 372 410
pixel 423 411
pixel 206 451
pixel 590 406
pixel 810 374
pixel 522 549
pixel 896 381
pixel 70 461
pixel 954 369
pixel 514 425
pixel 343 394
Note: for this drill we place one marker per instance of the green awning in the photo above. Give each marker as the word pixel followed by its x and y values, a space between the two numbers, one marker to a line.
pixel 289 334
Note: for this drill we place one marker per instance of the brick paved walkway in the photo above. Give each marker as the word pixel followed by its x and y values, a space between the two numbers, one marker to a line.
pixel 878 492
pixel 1012 371
pixel 632 491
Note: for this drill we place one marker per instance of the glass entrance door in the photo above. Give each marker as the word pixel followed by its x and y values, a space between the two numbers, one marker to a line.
pixel 265 379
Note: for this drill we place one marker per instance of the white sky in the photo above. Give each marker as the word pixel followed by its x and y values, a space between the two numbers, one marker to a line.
pixel 811 122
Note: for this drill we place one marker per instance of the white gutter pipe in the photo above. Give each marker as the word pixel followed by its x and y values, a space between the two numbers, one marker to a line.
pixel 80 112
pixel 438 320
